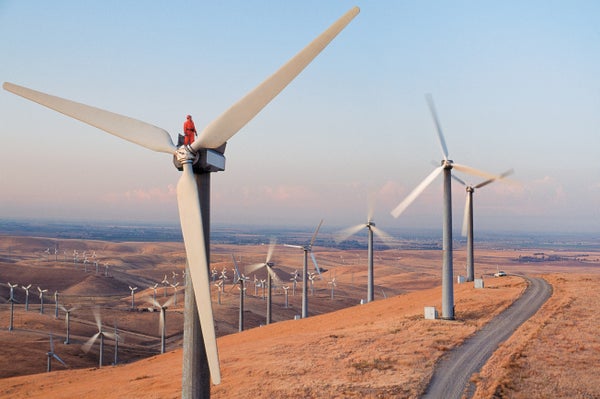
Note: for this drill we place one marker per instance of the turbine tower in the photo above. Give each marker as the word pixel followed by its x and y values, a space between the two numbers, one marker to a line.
pixel 67 322
pixel 307 249
pixel 370 225
pixel 202 157
pixel 12 305
pixel 446 167
pixel 271 275
pixel 467 227
pixel 41 291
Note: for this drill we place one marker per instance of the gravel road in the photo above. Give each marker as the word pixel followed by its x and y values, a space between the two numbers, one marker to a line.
pixel 451 376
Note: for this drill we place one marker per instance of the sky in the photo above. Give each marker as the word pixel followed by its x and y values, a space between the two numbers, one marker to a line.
pixel 516 85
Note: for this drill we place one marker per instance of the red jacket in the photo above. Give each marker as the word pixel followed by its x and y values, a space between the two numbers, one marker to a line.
pixel 189 129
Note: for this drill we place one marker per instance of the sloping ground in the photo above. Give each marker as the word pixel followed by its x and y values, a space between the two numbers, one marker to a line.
pixel 382 349
pixel 556 353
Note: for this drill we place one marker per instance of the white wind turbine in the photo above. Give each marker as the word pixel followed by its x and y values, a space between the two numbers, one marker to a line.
pixel 207 155
pixel 175 292
pixel 26 296
pixel 286 288
pixel 446 167
pixel 56 305
pixel 370 225
pixel 333 284
pixel 100 334
pixel 467 227
pixel 52 355
pixel 132 289
pixel 165 282
pixel 67 322
pixel 12 305
pixel 41 291
pixel 307 249
pixel 154 291
pixel 294 281
pixel 162 324
pixel 271 275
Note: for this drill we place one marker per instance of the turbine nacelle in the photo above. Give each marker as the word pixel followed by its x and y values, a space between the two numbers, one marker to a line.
pixel 204 160
pixel 447 163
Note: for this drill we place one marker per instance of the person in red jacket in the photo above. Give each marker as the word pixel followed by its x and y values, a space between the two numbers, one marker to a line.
pixel 189 130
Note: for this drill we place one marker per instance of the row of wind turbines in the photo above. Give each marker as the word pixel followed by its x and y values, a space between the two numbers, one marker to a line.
pixel 205 156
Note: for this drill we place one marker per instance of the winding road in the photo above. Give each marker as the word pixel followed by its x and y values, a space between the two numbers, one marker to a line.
pixel 451 376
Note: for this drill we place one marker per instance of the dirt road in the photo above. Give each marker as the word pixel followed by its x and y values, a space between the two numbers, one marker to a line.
pixel 451 376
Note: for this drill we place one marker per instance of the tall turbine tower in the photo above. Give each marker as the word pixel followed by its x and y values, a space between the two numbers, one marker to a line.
pixel 467 228
pixel 307 249
pixel 370 225
pixel 197 161
pixel 446 167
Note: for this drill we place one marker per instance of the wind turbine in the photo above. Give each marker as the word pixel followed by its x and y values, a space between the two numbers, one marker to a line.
pixel 307 249
pixel 194 209
pixel 175 292
pixel 56 304
pixel 12 305
pixel 446 167
pixel 51 355
pixel 241 280
pixel 286 288
pixel 67 322
pixel 133 296
pixel 294 281
pixel 467 227
pixel 117 340
pixel 165 282
pixel 26 296
pixel 41 299
pixel 333 285
pixel 271 275
pixel 370 225
pixel 154 291
pixel 162 321
pixel 100 334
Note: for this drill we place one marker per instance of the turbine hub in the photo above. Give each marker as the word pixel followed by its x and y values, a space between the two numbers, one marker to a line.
pixel 470 189
pixel 203 161
pixel 447 163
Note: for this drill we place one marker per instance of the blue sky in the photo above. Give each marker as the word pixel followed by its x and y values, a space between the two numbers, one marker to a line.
pixel 516 84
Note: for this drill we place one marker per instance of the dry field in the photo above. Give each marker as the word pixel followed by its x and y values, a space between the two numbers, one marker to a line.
pixel 382 349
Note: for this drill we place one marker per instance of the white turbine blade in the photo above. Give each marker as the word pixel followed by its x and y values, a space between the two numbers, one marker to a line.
pixel 254 267
pixel 475 172
pixel 133 130
pixel 193 238
pixel 271 249
pixel 237 271
pixel 153 301
pixel 466 216
pixel 169 302
pixel 110 335
pixel 429 98
pixel 161 321
pixel 273 275
pixel 231 121
pixel 54 355
pixel 387 239
pixel 88 345
pixel 416 192
pixel 96 312
pixel 293 246
pixel 371 207
pixel 502 176
pixel 51 344
pixel 312 256
pixel 314 237
pixel 343 235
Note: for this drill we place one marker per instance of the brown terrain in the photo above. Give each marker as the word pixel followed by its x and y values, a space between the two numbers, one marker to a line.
pixel 384 349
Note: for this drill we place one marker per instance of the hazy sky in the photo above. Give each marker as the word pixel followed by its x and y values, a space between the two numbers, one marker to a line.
pixel 516 84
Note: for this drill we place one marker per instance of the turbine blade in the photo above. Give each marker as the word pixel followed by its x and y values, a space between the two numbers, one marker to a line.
pixel 502 176
pixel 314 237
pixel 293 246
pixel 87 346
pixel 51 344
pixel 96 312
pixel 343 235
pixel 458 179
pixel 169 302
pixel 271 249
pixel 312 256
pixel 273 275
pixel 371 207
pixel 153 301
pixel 231 121
pixel 54 355
pixel 387 239
pixel 110 335
pixel 416 192
pixel 429 98
pixel 237 270
pixel 254 267
pixel 133 130
pixel 193 238
pixel 161 322
pixel 475 172
pixel 466 216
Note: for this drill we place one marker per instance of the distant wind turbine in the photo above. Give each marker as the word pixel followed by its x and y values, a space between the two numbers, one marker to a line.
pixel 162 325
pixel 26 296
pixel 100 334
pixel 307 248
pixel 51 355
pixel 370 225
pixel 271 275
pixel 133 296
pixel 446 167
pixel 241 280
pixel 41 291
pixel 67 322
pixel 467 227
